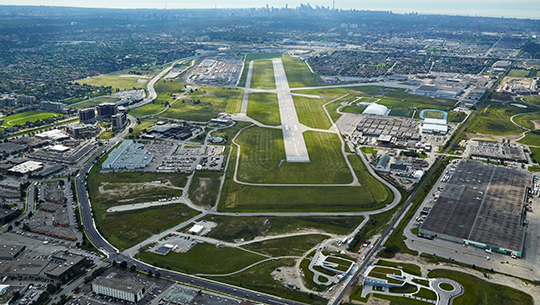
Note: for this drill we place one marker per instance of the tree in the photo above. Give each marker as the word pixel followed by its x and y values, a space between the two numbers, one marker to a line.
pixel 114 263
pixel 150 272
pixel 130 130
pixel 123 265
pixel 133 268
pixel 157 275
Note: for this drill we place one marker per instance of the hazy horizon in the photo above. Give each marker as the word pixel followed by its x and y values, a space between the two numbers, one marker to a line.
pixel 517 9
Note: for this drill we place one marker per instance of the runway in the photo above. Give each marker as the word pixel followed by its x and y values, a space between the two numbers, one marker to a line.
pixel 295 147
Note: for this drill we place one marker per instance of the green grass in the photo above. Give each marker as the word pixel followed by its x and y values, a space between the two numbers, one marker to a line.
pixel 535 154
pixel 354 109
pixel 408 268
pixel 426 294
pixel 264 108
pixel 262 76
pixel 126 229
pixel 407 288
pixel 518 73
pixel 400 113
pixel 433 115
pixel 218 100
pixel 231 228
pixel 230 132
pixel 262 151
pixel 446 286
pixel 311 113
pixel 115 81
pixel 478 291
pixel 298 73
pixel 394 300
pixel 371 195
pixel 27 116
pixel 288 246
pixel 106 135
pixel 525 120
pixel 142 126
pixel 148 109
pixel 204 188
pixel 331 108
pixel 354 92
pixel 368 150
pixel 204 258
pixel 259 278
pixel 456 117
pixel 532 99
pixel 383 270
pixel 530 139
pixel 421 282
pixel 173 86
pixel 403 101
pixel 308 274
pixel 253 56
pixel 95 102
pixel 495 120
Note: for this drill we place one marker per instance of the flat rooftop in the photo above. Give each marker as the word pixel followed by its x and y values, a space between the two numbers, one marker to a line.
pixel 481 203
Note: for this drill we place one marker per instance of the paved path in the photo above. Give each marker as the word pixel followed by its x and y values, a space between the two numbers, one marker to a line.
pixel 446 296
pixel 246 268
pixel 295 146
pixel 144 205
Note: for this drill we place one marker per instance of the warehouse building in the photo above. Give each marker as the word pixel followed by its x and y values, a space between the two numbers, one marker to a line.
pixel 397 131
pixel 129 289
pixel 129 155
pixel 482 205
pixel 438 91
pixel 437 126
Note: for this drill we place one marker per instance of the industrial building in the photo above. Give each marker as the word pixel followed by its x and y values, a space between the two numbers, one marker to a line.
pixel 437 126
pixel 106 110
pixel 173 131
pixel 376 109
pixel 129 155
pixel 438 91
pixel 26 168
pixel 52 106
pixel 398 131
pixel 128 288
pixel 482 205
pixel 87 115
pixel 119 121
pixel 498 151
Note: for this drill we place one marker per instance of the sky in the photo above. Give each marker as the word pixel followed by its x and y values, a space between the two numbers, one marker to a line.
pixel 489 8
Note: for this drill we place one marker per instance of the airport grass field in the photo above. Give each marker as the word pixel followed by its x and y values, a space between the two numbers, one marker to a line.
pixel 495 120
pixel 115 81
pixel 231 228
pixel 264 108
pixel 263 75
pixel 206 104
pixel 250 57
pixel 28 116
pixel 298 73
pixel 262 150
pixel 372 195
pixel 311 113
pixel 287 246
pixel 203 258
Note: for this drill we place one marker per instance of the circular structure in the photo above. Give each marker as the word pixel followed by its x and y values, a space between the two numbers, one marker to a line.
pixel 446 286
pixel 376 109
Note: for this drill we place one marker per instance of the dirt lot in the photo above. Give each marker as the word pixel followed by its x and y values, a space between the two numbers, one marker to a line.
pixel 121 189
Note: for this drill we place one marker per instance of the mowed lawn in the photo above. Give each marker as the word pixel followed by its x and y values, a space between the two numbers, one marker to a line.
pixel 204 258
pixel 212 102
pixel 264 108
pixel 28 116
pixel 530 139
pixel 262 76
pixel 126 229
pixel 115 81
pixel 262 151
pixel 298 73
pixel 148 109
pixel 480 292
pixel 250 57
pixel 311 113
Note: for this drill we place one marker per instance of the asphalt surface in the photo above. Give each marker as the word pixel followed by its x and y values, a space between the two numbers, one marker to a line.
pixel 295 146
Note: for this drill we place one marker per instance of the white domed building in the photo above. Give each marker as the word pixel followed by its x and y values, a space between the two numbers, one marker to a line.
pixel 376 109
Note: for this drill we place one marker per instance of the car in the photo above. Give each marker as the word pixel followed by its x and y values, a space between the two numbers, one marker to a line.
pixel 489 251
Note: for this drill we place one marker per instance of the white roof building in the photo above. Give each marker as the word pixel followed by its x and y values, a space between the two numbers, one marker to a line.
pixel 433 128
pixel 418 174
pixel 26 167
pixel 376 109
pixel 196 229
pixel 435 121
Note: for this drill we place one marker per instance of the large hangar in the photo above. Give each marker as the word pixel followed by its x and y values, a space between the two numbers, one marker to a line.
pixel 376 109
pixel 482 205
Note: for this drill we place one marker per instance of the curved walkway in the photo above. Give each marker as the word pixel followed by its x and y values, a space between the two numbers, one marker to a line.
pixel 246 268
pixel 445 296
pixel 515 115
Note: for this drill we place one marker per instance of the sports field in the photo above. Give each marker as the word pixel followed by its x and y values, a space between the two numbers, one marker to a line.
pixel 264 108
pixel 28 116
pixel 311 113
pixel 262 76
pixel 206 104
pixel 519 73
pixel 115 81
pixel 262 151
pixel 298 73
